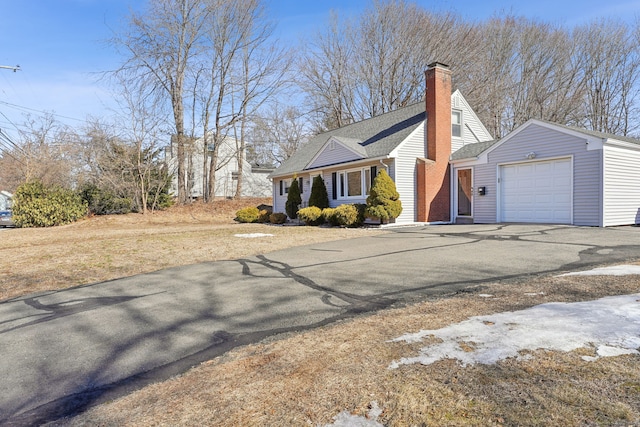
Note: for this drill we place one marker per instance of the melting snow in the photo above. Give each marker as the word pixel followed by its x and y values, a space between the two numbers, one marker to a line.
pixel 611 325
pixel 345 419
pixel 616 270
pixel 253 235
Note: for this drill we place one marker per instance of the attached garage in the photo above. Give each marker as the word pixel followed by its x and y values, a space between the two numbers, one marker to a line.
pixel 548 173
pixel 536 192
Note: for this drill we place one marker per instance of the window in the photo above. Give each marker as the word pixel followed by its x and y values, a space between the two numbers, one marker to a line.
pixel 355 183
pixel 456 123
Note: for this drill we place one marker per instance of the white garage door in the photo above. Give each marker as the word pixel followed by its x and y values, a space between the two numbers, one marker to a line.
pixel 536 192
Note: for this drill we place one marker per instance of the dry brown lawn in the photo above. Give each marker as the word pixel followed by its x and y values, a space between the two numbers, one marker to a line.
pixel 308 378
pixel 108 247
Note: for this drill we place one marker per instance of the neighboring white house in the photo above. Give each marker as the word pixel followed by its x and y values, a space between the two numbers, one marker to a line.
pixel 447 168
pixel 255 178
pixel 5 200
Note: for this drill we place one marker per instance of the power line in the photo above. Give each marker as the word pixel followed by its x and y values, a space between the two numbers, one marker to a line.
pixel 20 107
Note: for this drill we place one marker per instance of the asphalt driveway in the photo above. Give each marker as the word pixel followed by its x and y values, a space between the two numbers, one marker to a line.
pixel 63 351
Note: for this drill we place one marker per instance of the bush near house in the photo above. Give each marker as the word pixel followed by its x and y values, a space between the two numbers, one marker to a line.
pixel 248 214
pixel 319 196
pixel 264 215
pixel 35 205
pixel 383 201
pixel 349 215
pixel 105 202
pixel 329 216
pixel 294 199
pixel 277 218
pixel 311 215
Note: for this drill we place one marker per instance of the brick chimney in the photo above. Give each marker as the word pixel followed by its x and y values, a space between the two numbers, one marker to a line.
pixel 433 189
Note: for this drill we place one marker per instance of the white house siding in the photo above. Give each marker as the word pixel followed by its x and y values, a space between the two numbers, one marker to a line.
pixel 546 144
pixel 621 186
pixel 472 128
pixel 279 201
pixel 333 153
pixel 405 172
pixel 254 184
pixel 5 200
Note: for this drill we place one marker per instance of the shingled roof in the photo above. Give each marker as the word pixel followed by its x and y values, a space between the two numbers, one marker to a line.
pixel 374 137
pixel 470 151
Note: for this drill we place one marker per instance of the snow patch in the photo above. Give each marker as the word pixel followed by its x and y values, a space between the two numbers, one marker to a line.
pixel 615 270
pixel 345 419
pixel 610 324
pixel 253 235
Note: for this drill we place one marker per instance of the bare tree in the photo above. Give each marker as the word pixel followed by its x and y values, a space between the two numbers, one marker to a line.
pixel 160 45
pixel 46 150
pixel 609 52
pixel 362 67
pixel 327 75
pixel 277 134
pixel 241 69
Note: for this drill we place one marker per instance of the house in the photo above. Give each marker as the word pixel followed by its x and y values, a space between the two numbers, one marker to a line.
pixel 448 169
pixel 548 173
pixel 5 200
pixel 256 182
pixel 413 144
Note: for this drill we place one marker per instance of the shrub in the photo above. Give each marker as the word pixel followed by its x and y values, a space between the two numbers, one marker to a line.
pixel 347 215
pixel 362 213
pixel 248 214
pixel 293 199
pixel 277 218
pixel 383 201
pixel 329 216
pixel 311 215
pixel 105 202
pixel 319 196
pixel 35 205
pixel 263 216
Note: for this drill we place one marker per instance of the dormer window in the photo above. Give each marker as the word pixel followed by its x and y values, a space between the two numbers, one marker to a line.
pixel 456 123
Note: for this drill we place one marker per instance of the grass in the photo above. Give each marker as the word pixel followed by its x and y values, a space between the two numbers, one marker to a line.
pixel 307 378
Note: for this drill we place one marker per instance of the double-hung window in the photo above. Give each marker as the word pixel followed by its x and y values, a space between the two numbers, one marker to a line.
pixel 456 123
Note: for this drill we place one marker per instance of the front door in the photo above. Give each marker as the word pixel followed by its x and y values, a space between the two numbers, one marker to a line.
pixel 465 193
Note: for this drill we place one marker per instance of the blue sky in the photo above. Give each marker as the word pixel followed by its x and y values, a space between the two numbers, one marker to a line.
pixel 60 44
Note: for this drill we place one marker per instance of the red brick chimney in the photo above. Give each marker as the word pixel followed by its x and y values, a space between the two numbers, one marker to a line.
pixel 433 189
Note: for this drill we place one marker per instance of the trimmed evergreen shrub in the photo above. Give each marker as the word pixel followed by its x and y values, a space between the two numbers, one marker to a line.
pixel 104 202
pixel 248 214
pixel 293 199
pixel 263 216
pixel 319 196
pixel 329 216
pixel 311 215
pixel 35 205
pixel 347 215
pixel 362 213
pixel 384 200
pixel 277 218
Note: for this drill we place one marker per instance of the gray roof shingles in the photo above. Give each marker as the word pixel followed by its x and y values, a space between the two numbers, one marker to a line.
pixel 471 151
pixel 379 136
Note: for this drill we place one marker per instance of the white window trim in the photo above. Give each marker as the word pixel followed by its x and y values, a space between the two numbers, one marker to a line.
pixel 461 124
pixel 342 178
